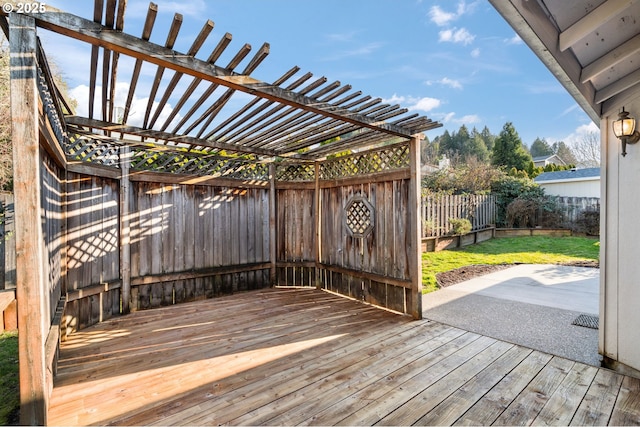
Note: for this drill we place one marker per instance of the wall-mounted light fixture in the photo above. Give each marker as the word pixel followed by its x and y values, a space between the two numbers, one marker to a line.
pixel 625 129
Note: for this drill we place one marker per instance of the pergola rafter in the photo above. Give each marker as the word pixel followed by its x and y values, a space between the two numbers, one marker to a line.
pixel 287 120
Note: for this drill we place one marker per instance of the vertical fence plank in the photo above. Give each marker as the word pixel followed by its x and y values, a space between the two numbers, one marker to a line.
pixel 439 208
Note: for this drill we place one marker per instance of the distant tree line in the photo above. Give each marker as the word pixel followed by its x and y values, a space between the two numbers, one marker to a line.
pixel 506 150
pixel 481 163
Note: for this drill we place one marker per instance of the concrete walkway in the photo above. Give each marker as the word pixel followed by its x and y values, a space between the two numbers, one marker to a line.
pixel 530 305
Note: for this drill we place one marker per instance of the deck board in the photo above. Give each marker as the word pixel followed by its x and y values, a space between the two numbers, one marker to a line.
pixel 307 357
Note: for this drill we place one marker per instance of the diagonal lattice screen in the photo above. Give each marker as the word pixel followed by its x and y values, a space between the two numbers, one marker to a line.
pixel 389 158
pixel 359 216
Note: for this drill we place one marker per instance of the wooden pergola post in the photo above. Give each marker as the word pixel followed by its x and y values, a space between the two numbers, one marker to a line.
pixel 33 324
pixel 125 241
pixel 414 225
pixel 272 224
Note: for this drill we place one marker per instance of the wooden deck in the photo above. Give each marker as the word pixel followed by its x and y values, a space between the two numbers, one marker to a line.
pixel 295 356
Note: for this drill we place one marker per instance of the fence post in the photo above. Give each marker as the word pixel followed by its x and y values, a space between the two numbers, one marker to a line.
pixel 32 293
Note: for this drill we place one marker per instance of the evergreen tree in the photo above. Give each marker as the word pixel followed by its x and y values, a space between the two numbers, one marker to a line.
pixel 563 151
pixel 446 143
pixel 428 151
pixel 508 150
pixel 488 138
pixel 477 147
pixel 540 147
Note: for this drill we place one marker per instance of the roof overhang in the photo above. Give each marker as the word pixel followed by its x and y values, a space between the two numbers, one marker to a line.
pixel 593 48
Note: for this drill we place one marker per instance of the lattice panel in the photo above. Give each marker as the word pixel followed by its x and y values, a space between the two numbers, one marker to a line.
pixel 395 157
pixel 89 150
pixel 359 216
pixel 49 107
pixel 296 172
pixel 197 164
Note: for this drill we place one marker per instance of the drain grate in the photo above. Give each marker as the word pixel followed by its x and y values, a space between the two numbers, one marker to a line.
pixel 587 321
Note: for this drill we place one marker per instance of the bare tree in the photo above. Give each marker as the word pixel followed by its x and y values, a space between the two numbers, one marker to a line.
pixel 587 150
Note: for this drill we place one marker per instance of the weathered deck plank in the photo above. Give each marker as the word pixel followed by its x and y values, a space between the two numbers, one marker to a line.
pixel 303 356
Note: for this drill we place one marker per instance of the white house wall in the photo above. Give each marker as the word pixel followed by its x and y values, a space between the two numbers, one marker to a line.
pixel 620 228
pixel 589 188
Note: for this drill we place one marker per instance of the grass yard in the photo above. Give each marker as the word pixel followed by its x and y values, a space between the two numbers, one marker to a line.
pixel 9 397
pixel 510 250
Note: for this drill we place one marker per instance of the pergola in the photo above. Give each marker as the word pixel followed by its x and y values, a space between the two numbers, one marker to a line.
pixel 308 184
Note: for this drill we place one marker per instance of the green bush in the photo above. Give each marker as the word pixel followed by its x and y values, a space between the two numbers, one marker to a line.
pixel 460 226
pixel 588 222
pixel 510 188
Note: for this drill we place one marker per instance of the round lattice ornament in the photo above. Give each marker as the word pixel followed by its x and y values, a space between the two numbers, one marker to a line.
pixel 359 216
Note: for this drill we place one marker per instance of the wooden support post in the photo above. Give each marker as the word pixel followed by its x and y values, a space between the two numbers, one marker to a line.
pixel 125 229
pixel 317 248
pixel 272 223
pixel 414 226
pixel 33 310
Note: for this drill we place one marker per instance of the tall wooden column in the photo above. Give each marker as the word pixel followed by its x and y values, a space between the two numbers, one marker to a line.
pixel 33 312
pixel 414 299
pixel 125 229
pixel 272 224
pixel 317 223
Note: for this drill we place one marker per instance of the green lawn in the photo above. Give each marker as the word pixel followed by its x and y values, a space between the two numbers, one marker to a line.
pixel 511 250
pixel 9 397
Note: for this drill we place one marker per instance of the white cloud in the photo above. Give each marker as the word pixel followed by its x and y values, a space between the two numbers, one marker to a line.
pixel 514 40
pixel 445 81
pixel 448 117
pixel 580 133
pixel 469 119
pixel 454 35
pixel 425 104
pixel 395 99
pixel 568 110
pixel 442 18
pixel 136 113
pixel 412 103
pixel 475 53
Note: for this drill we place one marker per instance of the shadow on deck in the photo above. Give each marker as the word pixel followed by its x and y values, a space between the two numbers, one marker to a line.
pixel 298 356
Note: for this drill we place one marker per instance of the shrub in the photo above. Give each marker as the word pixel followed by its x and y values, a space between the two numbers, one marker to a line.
pixel 460 226
pixel 521 213
pixel 510 188
pixel 428 227
pixel 531 212
pixel 588 221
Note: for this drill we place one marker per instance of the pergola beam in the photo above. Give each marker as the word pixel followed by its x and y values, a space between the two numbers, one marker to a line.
pixel 164 136
pixel 85 30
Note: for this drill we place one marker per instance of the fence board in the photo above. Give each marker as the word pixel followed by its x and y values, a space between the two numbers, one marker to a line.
pixel 437 209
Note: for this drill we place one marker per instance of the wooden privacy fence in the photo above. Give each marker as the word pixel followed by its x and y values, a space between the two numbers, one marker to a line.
pixel 571 207
pixel 438 209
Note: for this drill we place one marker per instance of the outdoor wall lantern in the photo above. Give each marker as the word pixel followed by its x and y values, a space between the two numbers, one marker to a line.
pixel 625 130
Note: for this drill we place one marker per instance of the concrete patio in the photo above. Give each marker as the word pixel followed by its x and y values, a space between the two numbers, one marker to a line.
pixel 529 305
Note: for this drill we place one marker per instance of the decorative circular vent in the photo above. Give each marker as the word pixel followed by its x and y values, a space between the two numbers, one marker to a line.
pixel 359 216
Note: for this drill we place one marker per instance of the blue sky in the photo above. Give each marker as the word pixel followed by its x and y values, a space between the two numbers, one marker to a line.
pixel 456 62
